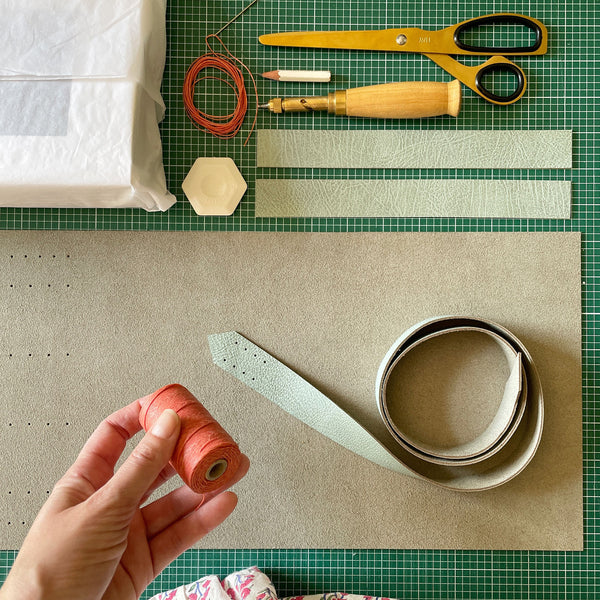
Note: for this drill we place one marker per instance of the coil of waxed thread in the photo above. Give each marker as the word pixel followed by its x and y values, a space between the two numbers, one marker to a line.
pixel 206 457
pixel 221 126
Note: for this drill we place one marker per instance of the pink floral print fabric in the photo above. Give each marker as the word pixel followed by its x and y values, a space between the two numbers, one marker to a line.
pixel 248 584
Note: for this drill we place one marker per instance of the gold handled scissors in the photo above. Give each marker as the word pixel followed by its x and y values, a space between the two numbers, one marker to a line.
pixel 438 46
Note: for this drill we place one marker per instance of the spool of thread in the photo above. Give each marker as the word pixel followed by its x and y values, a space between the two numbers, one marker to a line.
pixel 206 457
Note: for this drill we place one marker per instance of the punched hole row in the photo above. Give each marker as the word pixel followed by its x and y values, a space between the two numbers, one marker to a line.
pixel 39 256
pixel 31 286
pixel 28 493
pixel 30 424
pixel 33 354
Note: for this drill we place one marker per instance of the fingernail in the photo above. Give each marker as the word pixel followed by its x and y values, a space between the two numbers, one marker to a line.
pixel 166 424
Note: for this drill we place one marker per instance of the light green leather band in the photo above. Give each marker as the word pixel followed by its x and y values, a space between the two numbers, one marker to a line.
pixel 501 452
pixel 276 382
pixel 414 149
pixel 453 198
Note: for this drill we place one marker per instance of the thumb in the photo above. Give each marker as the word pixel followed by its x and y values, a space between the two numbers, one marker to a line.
pixel 148 459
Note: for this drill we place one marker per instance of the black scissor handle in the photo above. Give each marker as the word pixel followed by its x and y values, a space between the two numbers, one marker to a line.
pixel 489 95
pixel 505 19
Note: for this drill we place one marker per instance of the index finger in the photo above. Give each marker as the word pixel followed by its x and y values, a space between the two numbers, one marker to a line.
pixel 100 453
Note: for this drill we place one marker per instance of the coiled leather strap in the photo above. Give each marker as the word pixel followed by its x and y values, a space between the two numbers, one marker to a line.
pixel 492 458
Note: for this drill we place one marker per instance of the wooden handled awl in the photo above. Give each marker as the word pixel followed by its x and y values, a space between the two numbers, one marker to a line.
pixel 405 100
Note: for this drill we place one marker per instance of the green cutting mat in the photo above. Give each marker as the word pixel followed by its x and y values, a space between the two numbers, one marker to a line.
pixel 564 89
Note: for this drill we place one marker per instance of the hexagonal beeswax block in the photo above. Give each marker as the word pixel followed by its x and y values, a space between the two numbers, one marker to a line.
pixel 214 186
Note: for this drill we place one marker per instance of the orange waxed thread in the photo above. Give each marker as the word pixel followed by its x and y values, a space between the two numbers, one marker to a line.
pixel 221 126
pixel 205 456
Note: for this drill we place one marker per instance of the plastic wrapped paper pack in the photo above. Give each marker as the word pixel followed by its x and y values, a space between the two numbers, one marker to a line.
pixel 80 104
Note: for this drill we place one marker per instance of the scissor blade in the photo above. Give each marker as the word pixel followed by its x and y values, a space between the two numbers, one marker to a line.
pixel 383 39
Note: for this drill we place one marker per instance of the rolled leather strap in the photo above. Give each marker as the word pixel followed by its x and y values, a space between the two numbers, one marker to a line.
pixel 492 458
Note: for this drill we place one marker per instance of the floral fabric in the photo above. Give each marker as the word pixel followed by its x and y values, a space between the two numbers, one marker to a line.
pixel 248 584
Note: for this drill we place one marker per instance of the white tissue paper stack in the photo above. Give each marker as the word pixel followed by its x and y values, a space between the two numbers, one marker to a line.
pixel 80 104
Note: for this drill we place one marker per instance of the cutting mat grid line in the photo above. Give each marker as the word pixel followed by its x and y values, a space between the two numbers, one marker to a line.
pixel 563 93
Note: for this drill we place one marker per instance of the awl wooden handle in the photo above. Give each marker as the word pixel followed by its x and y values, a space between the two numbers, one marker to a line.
pixel 405 100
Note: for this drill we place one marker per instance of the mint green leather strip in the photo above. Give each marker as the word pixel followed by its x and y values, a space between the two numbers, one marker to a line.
pixel 266 375
pixel 522 199
pixel 427 149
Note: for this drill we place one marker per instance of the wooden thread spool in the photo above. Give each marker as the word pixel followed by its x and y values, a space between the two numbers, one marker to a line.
pixel 205 456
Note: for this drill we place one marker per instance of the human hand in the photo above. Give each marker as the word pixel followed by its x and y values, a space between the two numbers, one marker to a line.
pixel 92 539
